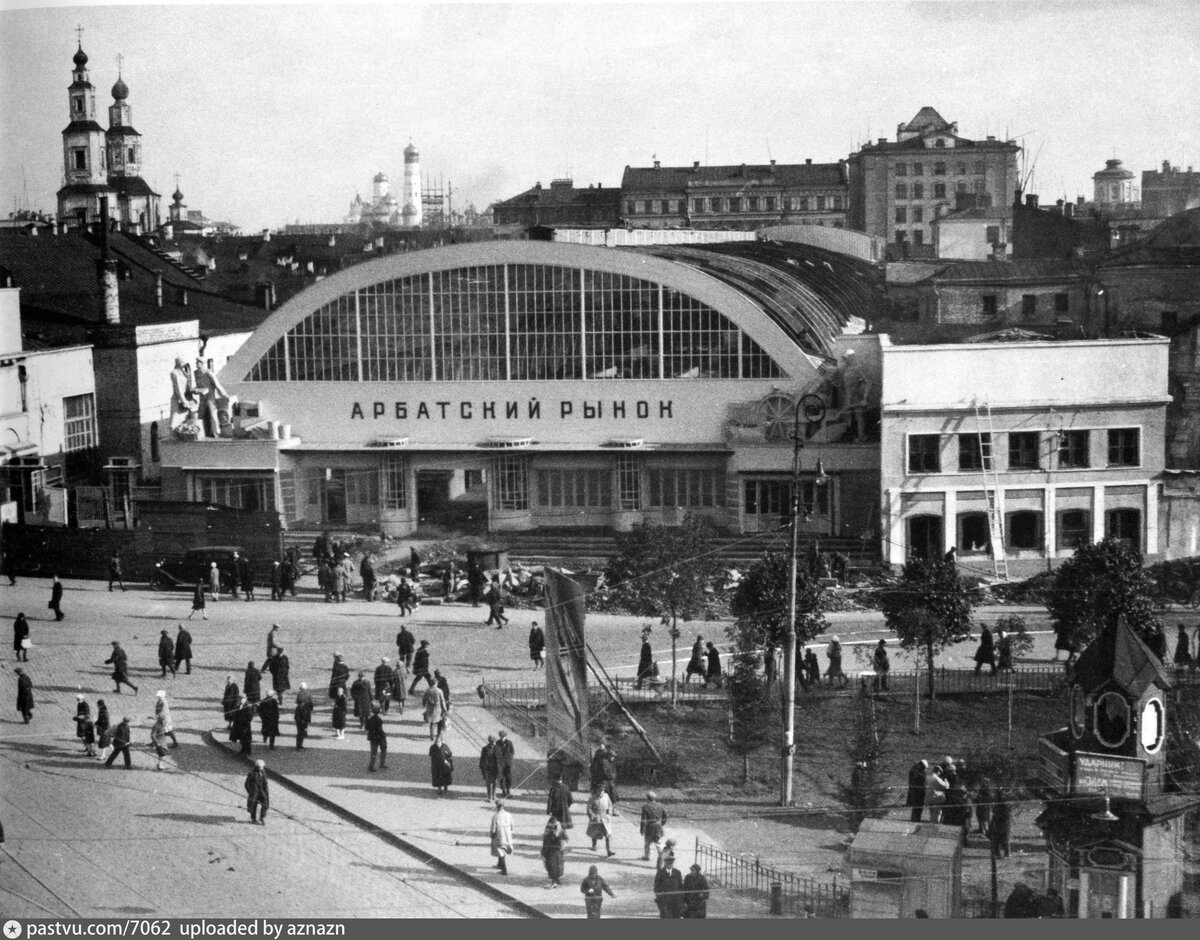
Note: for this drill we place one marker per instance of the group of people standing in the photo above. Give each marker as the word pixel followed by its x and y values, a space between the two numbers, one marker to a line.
pixel 950 794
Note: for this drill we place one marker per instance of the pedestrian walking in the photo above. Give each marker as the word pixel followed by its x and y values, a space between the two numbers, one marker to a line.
pixel 559 800
pixel 879 659
pixel 88 736
pixel 603 771
pixel 554 837
pixel 158 741
pixel 235 574
pixel 420 669
pixel 198 602
pixel 695 895
pixel 277 579
pixel 599 813
pixel 166 653
pixel 163 710
pixel 268 714
pixel 593 888
pixel 214 581
pixel 985 653
pixel 441 765
pixel 489 767
pixel 834 671
pixel 25 703
pixel 272 639
pixel 505 753
pixel 258 795
pixel 114 571
pixel 252 683
pixel 400 687
pixel 645 664
pixel 501 831
pixel 668 891
pixel 712 675
pixel 302 714
pixel 229 699
pixel 103 729
pixel 1004 656
pixel 366 571
pixel 280 668
pixel 360 695
pixel 120 663
pixel 183 649
pixel 537 646
pixel 695 665
pixel 339 676
pixel 495 602
pixel 243 724
pixel 376 739
pixel 383 684
pixel 653 824
pixel 406 643
pixel 246 577
pixel 405 596
pixel 434 703
pixel 916 789
pixel 120 744
pixel 56 593
pixel 339 714
pixel 812 667
pixel 21 640
pixel 444 687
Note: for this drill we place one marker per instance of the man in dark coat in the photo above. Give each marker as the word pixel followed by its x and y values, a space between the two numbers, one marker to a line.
pixel 303 714
pixel 339 676
pixel 268 712
pixel 377 739
pixel 25 704
pixel 645 661
pixel 120 744
pixel 235 570
pixel 366 571
pixel 360 695
pixel 504 762
pixel 668 890
pixel 1000 829
pixel 558 802
pixel 986 653
pixel 406 643
pixel 20 635
pixel 653 824
pixel 166 653
pixel 258 795
pixel 56 593
pixel 489 767
pixel 120 663
pixel 714 666
pixel 183 649
pixel 280 669
pixel 252 684
pixel 537 646
pixel 812 667
pixel 603 771
pixel 695 666
pixel 114 571
pixel 420 669
pixel 383 684
pixel 879 659
pixel 916 789
pixel 695 894
pixel 272 639
pixel 243 725
pixel 277 581
pixel 495 602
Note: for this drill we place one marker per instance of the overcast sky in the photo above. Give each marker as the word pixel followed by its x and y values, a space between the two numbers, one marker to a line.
pixel 278 112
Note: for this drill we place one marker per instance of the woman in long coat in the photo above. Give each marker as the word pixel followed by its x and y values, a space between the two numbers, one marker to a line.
pixel 713 675
pixel 198 602
pixel 20 632
pixel 986 653
pixel 435 709
pixel 502 837
pixel 281 670
pixel 360 692
pixel 229 701
pixel 243 728
pixel 339 713
pixel 441 765
pixel 268 713
pixel 83 714
pixel 252 684
pixel 834 652
pixel 103 728
pixel 553 837
pixel 645 662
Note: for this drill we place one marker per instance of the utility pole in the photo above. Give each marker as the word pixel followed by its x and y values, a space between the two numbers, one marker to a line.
pixel 788 753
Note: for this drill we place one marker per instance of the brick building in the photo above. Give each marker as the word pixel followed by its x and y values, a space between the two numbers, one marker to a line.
pixel 1169 191
pixel 563 203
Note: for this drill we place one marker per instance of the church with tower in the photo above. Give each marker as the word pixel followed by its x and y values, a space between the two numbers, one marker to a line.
pixel 384 208
pixel 100 163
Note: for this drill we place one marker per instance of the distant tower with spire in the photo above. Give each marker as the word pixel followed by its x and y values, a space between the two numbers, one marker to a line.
pixel 412 211
pixel 85 170
pixel 137 204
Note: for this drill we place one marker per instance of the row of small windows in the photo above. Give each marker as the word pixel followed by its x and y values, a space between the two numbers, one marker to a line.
pixel 633 486
pixel 736 204
pixel 941 168
pixel 1026 450
pixel 990 305
pixel 938 190
pixel 1024 531
pixel 513 322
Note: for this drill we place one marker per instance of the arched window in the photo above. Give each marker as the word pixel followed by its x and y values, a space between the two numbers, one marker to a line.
pixel 1112 719
pixel 154 457
pixel 974 536
pixel 1125 525
pixel 1024 530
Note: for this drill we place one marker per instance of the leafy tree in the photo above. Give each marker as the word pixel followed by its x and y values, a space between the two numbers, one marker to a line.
pixel 930 609
pixel 749 695
pixel 1096 587
pixel 663 571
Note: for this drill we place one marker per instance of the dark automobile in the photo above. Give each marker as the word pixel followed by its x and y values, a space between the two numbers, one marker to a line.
pixel 194 565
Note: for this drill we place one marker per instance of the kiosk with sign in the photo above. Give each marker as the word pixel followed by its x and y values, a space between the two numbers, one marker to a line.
pixel 1115 824
pixel 898 867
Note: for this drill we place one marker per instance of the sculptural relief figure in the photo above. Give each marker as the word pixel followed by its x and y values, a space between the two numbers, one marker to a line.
pixel 855 395
pixel 215 406
pixel 184 405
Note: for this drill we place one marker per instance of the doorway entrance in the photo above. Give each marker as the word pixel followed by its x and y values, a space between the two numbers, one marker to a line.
pixel 334 494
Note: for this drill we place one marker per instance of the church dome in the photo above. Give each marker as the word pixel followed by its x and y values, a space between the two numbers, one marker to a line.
pixel 380 178
pixel 410 151
pixel 80 58
pixel 177 195
pixel 1115 170
pixel 120 91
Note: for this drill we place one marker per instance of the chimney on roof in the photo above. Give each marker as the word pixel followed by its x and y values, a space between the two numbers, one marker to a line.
pixel 1031 200
pixel 882 140
pixel 992 137
pixel 168 231
pixel 158 289
pixel 657 164
pixel 1069 210
pixel 266 234
pixel 110 298
pixel 183 296
pixel 808 161
pixel 695 164
pixel 772 163
pixel 262 295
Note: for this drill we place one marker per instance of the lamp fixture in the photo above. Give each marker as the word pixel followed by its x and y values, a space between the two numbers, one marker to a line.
pixel 1108 815
pixel 822 476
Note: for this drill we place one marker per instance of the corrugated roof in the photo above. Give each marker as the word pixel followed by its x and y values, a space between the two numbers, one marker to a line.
pixel 759 174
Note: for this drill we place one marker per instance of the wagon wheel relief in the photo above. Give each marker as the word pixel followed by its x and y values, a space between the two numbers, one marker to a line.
pixel 778 414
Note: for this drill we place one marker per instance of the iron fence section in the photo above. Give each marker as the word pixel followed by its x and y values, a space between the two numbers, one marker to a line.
pixel 799 895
